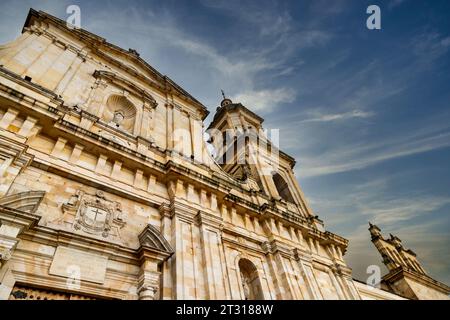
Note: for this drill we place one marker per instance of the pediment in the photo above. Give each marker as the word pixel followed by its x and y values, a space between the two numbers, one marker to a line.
pixel 127 60
pixel 24 201
pixel 125 85
pixel 151 237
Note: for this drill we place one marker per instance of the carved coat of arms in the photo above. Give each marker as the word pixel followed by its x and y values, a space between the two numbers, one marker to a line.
pixel 94 214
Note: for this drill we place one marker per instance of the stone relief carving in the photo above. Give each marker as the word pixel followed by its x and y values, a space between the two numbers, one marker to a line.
pixel 93 214
pixel 251 185
pixel 148 292
pixel 245 286
pixel 250 179
pixel 118 118
pixel 5 255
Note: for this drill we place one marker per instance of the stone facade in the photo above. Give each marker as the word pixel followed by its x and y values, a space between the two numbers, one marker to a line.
pixel 108 190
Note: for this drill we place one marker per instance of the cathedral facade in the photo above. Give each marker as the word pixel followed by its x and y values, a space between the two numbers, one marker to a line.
pixel 108 189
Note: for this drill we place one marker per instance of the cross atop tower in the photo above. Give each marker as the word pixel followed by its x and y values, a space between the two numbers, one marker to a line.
pixel 225 100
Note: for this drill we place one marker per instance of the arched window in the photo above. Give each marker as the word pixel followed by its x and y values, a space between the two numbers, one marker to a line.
pixel 282 188
pixel 251 284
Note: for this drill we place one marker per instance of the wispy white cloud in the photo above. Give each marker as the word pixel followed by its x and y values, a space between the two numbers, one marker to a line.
pixel 340 116
pixel 239 71
pixel 341 161
pixel 279 41
pixel 269 18
pixel 429 46
pixel 397 210
pixel 266 100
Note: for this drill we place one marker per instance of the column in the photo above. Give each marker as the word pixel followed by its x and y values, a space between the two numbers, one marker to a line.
pixel 276 254
pixel 169 126
pixel 146 121
pixel 148 283
pixel 214 267
pixel 307 270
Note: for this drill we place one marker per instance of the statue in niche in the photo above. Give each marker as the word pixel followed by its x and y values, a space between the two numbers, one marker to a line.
pixel 245 287
pixel 118 118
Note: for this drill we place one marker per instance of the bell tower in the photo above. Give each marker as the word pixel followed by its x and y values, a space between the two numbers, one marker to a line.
pixel 251 154
pixel 406 275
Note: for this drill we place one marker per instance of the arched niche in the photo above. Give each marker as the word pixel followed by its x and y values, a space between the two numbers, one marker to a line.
pixel 250 281
pixel 120 113
pixel 282 187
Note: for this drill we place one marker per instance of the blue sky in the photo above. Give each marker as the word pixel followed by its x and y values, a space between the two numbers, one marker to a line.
pixel 365 113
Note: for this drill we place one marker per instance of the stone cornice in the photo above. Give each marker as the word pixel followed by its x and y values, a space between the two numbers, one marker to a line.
pixel 300 254
pixel 208 219
pixel 12 149
pixel 402 272
pixel 165 210
pixel 275 246
pixel 50 236
pixel 87 115
pixel 17 217
pixel 73 128
pixel 182 211
pixel 243 203
pixel 242 243
pixel 29 85
pixel 152 200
